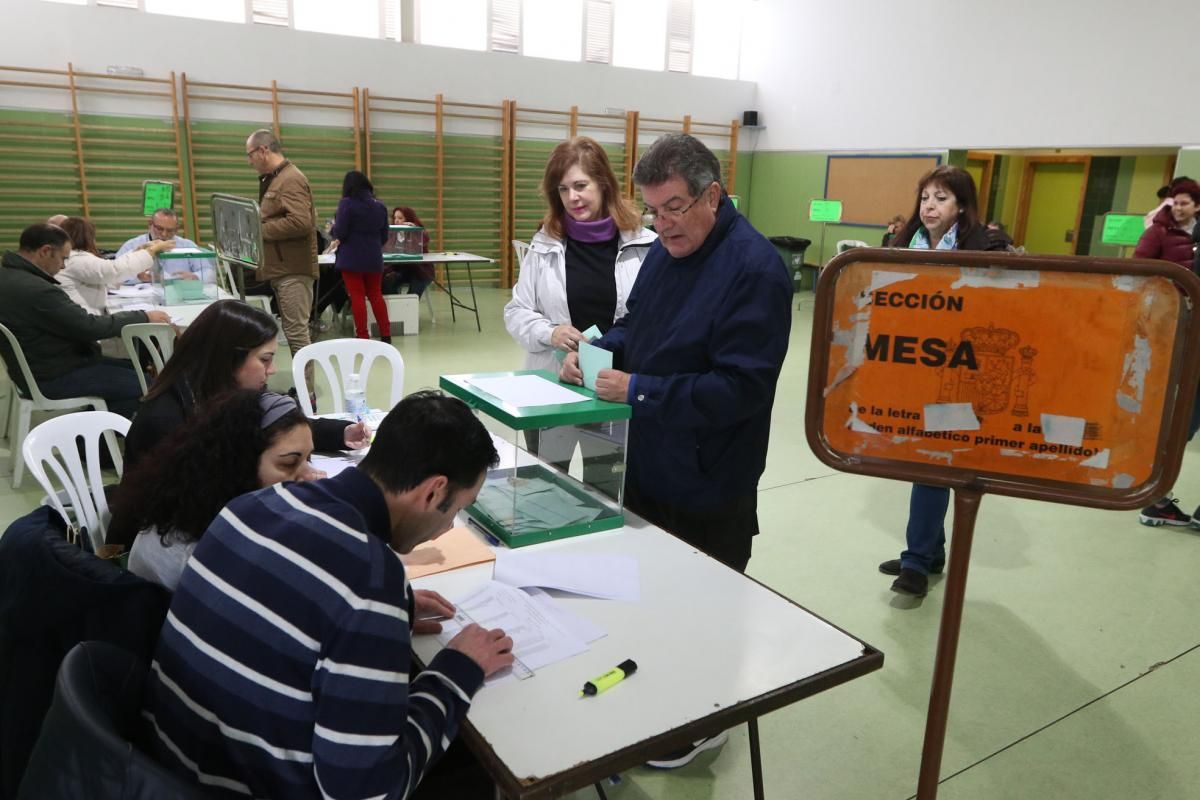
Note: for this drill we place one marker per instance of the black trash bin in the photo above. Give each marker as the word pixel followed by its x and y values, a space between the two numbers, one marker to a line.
pixel 791 249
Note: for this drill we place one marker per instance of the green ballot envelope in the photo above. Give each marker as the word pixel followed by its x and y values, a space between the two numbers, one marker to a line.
pixel 562 463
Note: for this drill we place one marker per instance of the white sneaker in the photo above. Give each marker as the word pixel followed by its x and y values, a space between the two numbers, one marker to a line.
pixel 686 755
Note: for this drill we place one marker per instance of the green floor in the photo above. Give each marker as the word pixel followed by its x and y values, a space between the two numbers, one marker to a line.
pixel 1077 672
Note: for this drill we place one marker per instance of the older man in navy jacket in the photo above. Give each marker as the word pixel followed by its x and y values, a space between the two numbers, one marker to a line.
pixel 699 354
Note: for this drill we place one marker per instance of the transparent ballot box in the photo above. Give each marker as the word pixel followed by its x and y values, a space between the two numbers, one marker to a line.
pixel 562 456
pixel 404 243
pixel 186 275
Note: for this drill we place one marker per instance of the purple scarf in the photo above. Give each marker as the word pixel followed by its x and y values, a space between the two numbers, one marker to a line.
pixel 601 230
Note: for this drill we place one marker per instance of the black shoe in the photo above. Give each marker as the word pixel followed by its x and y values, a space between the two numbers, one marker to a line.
pixel 1164 512
pixel 892 567
pixel 385 339
pixel 686 755
pixel 911 582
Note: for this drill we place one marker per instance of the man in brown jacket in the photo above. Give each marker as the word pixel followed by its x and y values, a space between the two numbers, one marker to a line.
pixel 289 232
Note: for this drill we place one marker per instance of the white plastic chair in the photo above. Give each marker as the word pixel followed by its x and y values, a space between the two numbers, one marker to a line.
pixel 55 443
pixel 156 337
pixel 340 358
pixel 520 248
pixel 21 408
pixel 846 244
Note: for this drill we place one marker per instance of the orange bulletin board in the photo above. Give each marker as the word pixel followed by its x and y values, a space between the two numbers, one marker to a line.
pixel 873 189
pixel 1049 378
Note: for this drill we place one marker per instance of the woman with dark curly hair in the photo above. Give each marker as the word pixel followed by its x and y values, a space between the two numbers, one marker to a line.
pixel 245 441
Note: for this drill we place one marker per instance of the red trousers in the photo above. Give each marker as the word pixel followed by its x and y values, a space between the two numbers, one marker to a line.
pixel 363 286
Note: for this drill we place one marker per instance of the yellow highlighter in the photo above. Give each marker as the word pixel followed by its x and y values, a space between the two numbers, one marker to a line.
pixel 609 679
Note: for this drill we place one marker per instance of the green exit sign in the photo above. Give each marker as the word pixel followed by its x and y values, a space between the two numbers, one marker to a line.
pixel 825 211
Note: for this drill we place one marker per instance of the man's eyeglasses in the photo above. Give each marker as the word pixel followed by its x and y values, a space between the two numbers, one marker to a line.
pixel 250 153
pixel 653 215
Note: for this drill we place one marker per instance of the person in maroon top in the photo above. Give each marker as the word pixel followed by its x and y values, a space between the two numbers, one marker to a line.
pixel 418 276
pixel 1170 236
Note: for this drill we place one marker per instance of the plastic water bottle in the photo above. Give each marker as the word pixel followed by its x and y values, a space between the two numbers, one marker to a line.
pixel 355 397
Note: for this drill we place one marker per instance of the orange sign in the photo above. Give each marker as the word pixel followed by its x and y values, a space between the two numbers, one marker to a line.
pixel 958 363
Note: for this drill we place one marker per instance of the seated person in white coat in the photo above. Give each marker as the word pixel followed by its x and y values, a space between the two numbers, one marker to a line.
pixel 579 270
pixel 164 226
pixel 87 277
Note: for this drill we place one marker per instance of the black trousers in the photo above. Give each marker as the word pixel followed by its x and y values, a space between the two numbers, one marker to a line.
pixel 725 533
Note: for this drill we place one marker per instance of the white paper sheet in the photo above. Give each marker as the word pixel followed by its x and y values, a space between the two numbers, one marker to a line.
pixel 332 465
pixel 606 577
pixel 574 624
pixel 950 417
pixel 1058 429
pixel 524 391
pixel 538 638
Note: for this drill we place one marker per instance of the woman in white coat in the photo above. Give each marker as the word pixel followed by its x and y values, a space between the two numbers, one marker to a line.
pixel 579 270
pixel 86 277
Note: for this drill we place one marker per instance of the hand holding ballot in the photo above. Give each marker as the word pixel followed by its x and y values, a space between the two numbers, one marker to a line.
pixel 609 384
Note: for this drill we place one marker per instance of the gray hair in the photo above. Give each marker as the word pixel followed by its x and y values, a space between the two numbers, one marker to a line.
pixel 166 212
pixel 678 155
pixel 264 137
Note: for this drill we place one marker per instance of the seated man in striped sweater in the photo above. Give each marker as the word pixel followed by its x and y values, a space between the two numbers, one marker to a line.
pixel 283 669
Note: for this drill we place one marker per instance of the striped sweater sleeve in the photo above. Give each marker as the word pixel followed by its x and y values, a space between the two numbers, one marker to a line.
pixel 377 732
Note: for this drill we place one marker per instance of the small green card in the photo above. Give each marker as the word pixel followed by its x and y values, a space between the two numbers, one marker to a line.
pixel 1122 229
pixel 156 195
pixel 825 211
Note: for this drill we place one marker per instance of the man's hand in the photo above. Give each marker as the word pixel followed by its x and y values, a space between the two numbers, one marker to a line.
pixel 356 436
pixel 144 277
pixel 570 372
pixel 311 473
pixel 158 316
pixel 430 607
pixel 566 337
pixel 490 649
pixel 612 385
pixel 156 246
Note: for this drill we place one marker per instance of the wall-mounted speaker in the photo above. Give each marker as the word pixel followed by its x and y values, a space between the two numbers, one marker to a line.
pixel 750 118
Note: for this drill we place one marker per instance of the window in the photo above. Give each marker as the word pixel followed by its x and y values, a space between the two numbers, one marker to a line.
pixel 553 29
pixel 598 33
pixel 346 17
pixel 716 37
pixel 392 28
pixel 639 33
pixel 272 12
pixel 679 36
pixel 453 23
pixel 221 10
pixel 505 36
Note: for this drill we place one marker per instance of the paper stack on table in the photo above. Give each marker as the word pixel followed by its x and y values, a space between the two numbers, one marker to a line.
pixel 542 633
pixel 525 391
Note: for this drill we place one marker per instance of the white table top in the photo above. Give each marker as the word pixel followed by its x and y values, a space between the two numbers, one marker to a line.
pixel 426 258
pixel 713 649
